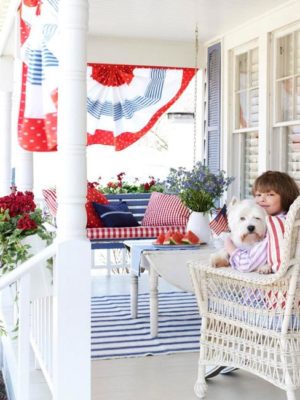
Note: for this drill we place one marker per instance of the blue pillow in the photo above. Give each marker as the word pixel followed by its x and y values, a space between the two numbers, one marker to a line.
pixel 115 216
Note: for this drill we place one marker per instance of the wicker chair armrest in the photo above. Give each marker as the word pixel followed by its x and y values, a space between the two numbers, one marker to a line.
pixel 247 277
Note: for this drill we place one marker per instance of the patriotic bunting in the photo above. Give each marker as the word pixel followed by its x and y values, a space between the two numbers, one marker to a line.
pixel 123 101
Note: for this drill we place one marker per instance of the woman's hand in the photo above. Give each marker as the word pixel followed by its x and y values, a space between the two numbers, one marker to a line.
pixel 228 245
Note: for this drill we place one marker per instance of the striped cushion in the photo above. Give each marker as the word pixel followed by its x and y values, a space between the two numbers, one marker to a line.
pixel 140 232
pixel 275 225
pixel 50 200
pixel 165 209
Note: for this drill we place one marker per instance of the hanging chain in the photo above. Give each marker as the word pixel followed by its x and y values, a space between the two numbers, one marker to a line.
pixel 196 93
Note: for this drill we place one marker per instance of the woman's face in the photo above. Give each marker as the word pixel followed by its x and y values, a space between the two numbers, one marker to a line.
pixel 270 201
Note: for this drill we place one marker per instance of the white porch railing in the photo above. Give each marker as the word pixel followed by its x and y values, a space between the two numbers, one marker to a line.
pixel 34 327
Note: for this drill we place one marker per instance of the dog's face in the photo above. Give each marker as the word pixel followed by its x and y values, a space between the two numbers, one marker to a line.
pixel 247 222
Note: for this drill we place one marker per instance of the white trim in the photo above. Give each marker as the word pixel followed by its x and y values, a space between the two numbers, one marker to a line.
pixel 8 24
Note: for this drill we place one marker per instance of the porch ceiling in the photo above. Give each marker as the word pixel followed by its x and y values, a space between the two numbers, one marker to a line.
pixel 173 19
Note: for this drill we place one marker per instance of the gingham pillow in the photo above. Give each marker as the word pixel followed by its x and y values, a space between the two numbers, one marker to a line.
pixel 93 221
pixel 165 209
pixel 275 226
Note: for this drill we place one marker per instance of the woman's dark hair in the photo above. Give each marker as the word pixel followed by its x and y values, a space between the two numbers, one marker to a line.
pixel 280 183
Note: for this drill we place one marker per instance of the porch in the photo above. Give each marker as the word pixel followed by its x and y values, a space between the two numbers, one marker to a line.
pixel 255 129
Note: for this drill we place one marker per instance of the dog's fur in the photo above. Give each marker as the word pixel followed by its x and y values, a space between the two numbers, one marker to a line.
pixel 247 225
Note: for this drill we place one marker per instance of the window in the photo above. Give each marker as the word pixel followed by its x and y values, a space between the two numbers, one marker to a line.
pixel 287 78
pixel 246 116
pixel 286 126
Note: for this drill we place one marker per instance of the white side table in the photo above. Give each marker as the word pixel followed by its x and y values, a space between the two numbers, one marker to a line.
pixel 171 265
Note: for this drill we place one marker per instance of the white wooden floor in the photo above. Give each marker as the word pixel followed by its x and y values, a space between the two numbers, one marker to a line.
pixel 169 377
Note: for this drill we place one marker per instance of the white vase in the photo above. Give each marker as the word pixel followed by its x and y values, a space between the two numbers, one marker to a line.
pixel 40 276
pixel 199 224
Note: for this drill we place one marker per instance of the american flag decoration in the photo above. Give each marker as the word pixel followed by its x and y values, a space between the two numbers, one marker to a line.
pixel 220 224
pixel 123 101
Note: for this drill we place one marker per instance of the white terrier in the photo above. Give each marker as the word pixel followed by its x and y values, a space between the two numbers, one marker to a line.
pixel 247 225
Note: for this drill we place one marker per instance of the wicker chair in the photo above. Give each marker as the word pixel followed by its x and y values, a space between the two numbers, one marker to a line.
pixel 252 321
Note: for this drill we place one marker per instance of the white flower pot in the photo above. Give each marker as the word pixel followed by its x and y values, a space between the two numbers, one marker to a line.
pixel 40 276
pixel 199 224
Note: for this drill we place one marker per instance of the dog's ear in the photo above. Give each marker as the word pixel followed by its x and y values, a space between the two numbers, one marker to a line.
pixel 233 202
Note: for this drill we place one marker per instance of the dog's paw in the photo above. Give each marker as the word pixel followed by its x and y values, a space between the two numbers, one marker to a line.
pixel 217 261
pixel 264 269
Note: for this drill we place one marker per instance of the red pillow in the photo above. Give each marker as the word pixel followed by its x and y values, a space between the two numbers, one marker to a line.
pixel 93 221
pixel 275 225
pixel 164 210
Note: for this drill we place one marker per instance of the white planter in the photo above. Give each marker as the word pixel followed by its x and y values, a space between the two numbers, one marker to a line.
pixel 199 224
pixel 40 276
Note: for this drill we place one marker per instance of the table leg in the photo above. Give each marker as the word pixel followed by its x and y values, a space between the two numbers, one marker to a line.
pixel 134 295
pixel 153 302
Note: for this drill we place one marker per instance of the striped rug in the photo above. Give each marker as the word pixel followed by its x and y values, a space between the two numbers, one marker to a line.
pixel 115 334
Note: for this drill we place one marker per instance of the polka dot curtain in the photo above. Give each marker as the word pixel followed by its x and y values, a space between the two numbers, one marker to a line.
pixel 123 101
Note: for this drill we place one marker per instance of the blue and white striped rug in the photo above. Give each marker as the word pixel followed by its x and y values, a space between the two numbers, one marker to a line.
pixel 115 334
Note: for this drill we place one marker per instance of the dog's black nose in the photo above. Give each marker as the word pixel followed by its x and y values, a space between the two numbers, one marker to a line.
pixel 251 228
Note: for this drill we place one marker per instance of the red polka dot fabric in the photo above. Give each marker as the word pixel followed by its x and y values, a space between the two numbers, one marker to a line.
pixel 123 101
pixel 93 221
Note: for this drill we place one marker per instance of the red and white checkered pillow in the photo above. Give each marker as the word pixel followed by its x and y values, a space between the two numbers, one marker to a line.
pixel 275 226
pixel 93 221
pixel 165 209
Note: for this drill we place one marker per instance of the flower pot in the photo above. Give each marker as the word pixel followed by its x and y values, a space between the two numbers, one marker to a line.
pixel 199 224
pixel 40 276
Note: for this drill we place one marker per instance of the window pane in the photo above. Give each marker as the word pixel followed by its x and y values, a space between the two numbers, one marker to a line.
pixel 297 52
pixel 241 110
pixel 297 98
pixel 285 100
pixel 285 56
pixel 294 153
pixel 254 68
pixel 242 71
pixel 253 108
pixel 250 162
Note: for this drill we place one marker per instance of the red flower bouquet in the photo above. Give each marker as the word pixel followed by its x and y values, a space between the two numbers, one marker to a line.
pixel 19 217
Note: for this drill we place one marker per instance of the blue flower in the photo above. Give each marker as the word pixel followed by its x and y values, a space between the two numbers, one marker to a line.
pixel 198 188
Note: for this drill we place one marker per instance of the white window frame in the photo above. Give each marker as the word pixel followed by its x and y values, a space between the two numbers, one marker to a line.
pixel 237 134
pixel 287 30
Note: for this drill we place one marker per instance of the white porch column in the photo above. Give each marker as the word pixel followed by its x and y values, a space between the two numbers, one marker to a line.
pixel 24 169
pixel 6 87
pixel 72 376
pixel 5 143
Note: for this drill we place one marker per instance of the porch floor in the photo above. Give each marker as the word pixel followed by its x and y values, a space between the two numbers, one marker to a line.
pixel 169 377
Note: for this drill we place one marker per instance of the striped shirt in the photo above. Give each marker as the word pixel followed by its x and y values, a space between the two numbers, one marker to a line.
pixel 248 260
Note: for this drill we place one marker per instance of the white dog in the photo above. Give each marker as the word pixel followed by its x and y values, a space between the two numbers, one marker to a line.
pixel 247 225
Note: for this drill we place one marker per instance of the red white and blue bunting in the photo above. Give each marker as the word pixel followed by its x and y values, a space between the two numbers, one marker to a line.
pixel 123 101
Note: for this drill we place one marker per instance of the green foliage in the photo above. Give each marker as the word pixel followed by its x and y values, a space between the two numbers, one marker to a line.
pixel 198 188
pixel 121 186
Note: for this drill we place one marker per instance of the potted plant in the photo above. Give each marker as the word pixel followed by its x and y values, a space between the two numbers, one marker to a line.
pixel 19 219
pixel 120 185
pixel 199 189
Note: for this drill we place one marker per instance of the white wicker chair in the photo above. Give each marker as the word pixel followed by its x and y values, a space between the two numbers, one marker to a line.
pixel 252 321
